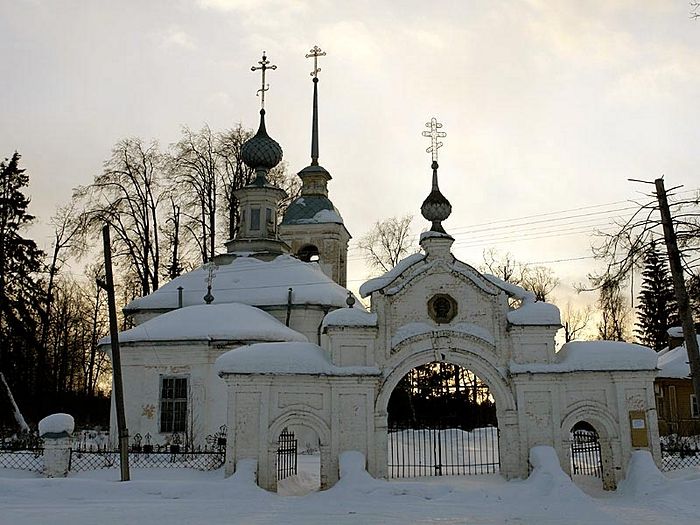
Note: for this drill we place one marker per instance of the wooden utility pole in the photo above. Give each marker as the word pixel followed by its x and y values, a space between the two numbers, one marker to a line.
pixel 108 286
pixel 674 258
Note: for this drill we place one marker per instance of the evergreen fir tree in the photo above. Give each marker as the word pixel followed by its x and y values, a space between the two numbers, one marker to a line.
pixel 21 294
pixel 657 310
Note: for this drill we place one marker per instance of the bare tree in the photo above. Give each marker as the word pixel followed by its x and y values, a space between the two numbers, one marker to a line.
pixel 694 9
pixel 195 166
pixel 502 265
pixel 614 311
pixel 234 173
pixel 68 239
pixel 540 280
pixel 127 196
pixel 575 320
pixel 290 183
pixel 387 242
pixel 623 249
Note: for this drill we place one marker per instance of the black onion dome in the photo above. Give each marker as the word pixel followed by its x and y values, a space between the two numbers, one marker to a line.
pixel 261 151
pixel 436 208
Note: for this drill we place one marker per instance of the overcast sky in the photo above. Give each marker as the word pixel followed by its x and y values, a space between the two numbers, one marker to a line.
pixel 548 106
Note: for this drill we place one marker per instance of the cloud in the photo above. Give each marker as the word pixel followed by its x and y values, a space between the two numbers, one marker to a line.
pixel 175 37
pixel 253 5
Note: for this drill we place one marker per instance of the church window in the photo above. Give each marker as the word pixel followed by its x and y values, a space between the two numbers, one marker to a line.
pixel 268 214
pixel 442 308
pixel 173 404
pixel 255 219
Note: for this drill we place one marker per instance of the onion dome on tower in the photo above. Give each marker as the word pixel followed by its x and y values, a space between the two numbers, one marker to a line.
pixel 261 152
pixel 259 200
pixel 312 226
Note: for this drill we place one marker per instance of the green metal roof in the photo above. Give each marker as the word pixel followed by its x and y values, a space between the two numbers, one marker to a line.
pixel 304 209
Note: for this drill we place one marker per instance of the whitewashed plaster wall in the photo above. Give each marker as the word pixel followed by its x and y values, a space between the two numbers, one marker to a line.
pixel 142 367
pixel 550 404
pixel 339 409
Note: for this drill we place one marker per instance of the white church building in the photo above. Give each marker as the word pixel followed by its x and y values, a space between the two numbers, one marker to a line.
pixel 268 338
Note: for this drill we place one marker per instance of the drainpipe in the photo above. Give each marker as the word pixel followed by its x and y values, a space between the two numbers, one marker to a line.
pixel 289 306
pixel 326 309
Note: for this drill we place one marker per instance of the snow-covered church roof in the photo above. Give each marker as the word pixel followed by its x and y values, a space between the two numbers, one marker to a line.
pixel 211 322
pixel 249 280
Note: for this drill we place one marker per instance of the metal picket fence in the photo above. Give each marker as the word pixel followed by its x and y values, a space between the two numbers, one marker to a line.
pixel 286 455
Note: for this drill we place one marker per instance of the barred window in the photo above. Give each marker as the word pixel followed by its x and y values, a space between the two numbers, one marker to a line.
pixel 173 404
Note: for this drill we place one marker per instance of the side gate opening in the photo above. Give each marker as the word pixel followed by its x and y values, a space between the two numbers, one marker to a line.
pixel 298 461
pixel 585 451
pixel 442 422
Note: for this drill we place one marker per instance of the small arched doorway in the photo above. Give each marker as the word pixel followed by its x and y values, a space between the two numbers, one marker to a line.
pixel 298 461
pixel 441 421
pixel 586 457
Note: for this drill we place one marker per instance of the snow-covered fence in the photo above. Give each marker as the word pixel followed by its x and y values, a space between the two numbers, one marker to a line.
pixel 679 452
pixel 144 454
pixel 23 451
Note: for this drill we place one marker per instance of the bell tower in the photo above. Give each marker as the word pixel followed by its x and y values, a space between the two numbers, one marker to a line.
pixel 258 200
pixel 312 226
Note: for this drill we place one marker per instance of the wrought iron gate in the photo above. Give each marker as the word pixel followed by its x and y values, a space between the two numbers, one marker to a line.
pixel 440 451
pixel 585 453
pixel 286 455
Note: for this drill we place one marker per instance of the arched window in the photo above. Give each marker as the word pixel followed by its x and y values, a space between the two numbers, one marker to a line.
pixel 309 253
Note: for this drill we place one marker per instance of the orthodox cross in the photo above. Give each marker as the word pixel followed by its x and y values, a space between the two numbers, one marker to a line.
pixel 316 52
pixel 211 268
pixel 264 66
pixel 434 134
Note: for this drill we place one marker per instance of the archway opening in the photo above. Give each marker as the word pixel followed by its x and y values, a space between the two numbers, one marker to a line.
pixel 309 253
pixel 586 460
pixel 442 421
pixel 298 461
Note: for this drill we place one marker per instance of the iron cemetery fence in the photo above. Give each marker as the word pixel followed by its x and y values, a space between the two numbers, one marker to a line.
pixel 286 455
pixel 585 453
pixel 679 452
pixel 440 451
pixel 22 452
pixel 144 454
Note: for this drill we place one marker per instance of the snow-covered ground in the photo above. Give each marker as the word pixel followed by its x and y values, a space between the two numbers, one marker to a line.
pixel 176 497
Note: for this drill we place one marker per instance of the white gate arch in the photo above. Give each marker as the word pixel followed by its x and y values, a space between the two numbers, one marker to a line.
pixel 454 348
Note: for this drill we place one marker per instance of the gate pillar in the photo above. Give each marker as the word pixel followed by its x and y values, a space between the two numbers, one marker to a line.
pixel 512 465
pixel 379 466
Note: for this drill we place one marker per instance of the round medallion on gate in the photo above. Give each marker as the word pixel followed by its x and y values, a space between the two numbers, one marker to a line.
pixel 442 308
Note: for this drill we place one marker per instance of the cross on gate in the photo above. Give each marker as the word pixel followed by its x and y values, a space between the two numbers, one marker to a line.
pixel 264 66
pixel 315 52
pixel 434 134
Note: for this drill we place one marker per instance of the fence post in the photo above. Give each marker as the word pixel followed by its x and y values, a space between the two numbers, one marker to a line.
pixel 56 430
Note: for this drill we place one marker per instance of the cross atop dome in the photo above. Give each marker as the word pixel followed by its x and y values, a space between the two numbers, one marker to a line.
pixel 436 208
pixel 434 135
pixel 264 66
